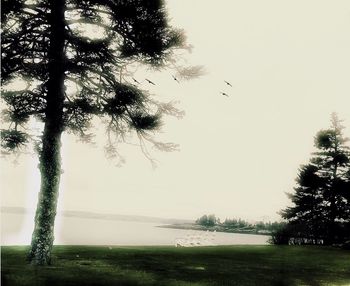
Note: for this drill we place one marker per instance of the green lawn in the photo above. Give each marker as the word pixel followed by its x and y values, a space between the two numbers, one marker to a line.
pixel 170 266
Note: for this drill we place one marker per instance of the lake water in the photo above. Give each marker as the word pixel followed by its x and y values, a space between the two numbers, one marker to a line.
pixel 16 229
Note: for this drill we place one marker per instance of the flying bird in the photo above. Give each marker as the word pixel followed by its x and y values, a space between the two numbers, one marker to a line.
pixel 223 93
pixel 151 82
pixel 228 83
pixel 175 79
pixel 135 80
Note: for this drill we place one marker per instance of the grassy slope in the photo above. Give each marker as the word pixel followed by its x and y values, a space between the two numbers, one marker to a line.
pixel 223 265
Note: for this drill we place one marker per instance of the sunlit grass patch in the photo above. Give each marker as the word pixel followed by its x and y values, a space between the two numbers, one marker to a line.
pixel 201 268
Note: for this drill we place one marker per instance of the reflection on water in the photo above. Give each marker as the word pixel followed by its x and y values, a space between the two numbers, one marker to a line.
pixel 16 229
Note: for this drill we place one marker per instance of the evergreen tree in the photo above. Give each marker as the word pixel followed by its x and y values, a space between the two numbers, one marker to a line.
pixel 44 43
pixel 308 213
pixel 322 198
pixel 207 220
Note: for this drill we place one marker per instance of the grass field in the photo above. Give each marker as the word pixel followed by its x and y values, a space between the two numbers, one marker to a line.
pixel 170 266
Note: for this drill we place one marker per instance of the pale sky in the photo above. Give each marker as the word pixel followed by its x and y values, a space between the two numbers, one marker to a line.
pixel 289 64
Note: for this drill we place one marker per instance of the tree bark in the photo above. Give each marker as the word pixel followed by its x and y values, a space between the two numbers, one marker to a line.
pixel 49 154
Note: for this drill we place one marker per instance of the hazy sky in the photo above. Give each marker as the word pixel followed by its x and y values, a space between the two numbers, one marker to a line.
pixel 289 64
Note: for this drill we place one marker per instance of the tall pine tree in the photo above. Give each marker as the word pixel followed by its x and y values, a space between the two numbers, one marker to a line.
pixel 322 197
pixel 307 215
pixel 44 43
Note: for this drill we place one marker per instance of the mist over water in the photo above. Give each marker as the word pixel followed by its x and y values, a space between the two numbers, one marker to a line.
pixel 16 229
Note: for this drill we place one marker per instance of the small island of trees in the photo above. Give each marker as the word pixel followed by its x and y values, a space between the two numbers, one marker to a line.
pixel 212 223
pixel 238 225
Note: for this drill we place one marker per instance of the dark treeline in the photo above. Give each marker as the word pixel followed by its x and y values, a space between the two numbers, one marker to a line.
pixel 239 225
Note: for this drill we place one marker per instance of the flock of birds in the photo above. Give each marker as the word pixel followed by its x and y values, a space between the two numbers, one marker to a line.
pixel 175 79
pixel 224 93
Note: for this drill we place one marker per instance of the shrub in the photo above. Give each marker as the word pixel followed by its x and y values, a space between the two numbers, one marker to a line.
pixel 281 235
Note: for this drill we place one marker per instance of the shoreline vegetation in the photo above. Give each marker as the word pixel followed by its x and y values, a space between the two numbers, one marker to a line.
pixel 217 228
pixel 212 223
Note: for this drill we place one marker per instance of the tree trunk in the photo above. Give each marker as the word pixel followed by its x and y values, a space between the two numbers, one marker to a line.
pixel 49 154
pixel 50 169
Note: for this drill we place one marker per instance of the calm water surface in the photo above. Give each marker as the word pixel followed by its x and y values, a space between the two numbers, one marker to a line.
pixel 16 229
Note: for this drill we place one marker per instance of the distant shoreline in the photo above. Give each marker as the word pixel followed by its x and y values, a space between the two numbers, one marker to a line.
pixel 218 228
pixel 164 222
pixel 101 216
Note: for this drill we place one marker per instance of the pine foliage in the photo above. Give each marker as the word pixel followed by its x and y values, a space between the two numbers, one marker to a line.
pixel 321 201
pixel 127 31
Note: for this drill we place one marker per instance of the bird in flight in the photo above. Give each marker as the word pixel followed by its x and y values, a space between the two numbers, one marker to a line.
pixel 135 80
pixel 175 79
pixel 151 82
pixel 228 83
pixel 223 93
